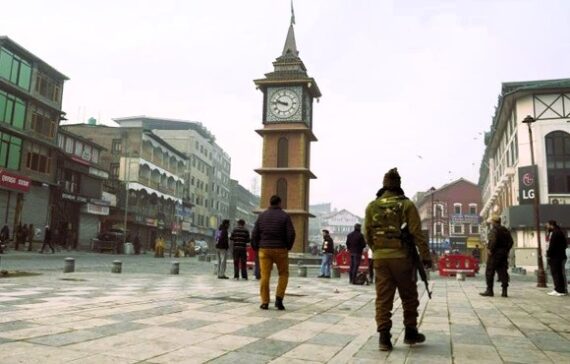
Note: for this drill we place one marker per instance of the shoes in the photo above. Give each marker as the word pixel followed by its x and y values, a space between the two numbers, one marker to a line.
pixel 412 336
pixel 556 294
pixel 236 278
pixel 224 277
pixel 487 293
pixel 279 304
pixel 504 293
pixel 245 279
pixel 264 306
pixel 326 276
pixel 385 341
pixel 321 276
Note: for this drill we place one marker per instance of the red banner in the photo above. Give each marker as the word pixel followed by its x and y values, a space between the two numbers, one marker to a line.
pixel 13 181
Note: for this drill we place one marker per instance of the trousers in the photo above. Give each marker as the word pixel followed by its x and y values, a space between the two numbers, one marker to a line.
pixel 499 264
pixel 266 259
pixel 222 259
pixel 240 261
pixel 559 275
pixel 355 260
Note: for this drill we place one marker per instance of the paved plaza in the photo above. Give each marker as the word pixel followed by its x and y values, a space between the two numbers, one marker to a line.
pixel 146 315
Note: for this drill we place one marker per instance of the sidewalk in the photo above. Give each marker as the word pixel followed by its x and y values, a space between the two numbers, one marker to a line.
pixel 99 317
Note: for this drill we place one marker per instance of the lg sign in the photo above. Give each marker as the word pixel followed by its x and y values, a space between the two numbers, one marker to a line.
pixel 527 184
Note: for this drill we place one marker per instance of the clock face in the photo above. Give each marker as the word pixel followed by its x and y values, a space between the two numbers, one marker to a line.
pixel 284 103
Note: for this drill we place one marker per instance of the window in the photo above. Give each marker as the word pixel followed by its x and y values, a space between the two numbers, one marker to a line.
pixel 15 69
pixel 438 228
pixel 458 229
pixel 283 153
pixel 12 110
pixel 61 141
pixel 558 161
pixel 39 158
pixel 44 122
pixel 474 229
pixel 457 208
pixel 68 145
pixel 472 209
pixel 10 151
pixel 117 146
pixel 114 170
pixel 47 87
pixel 95 156
pixel 438 210
pixel 78 148
pixel 282 191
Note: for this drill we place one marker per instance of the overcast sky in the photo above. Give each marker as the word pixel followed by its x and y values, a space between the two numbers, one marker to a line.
pixel 407 84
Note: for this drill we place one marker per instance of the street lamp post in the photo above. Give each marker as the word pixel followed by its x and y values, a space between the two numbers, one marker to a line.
pixel 541 276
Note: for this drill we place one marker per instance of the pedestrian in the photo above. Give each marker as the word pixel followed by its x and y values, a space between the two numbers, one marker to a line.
pixel 159 246
pixel 476 253
pixel 272 237
pixel 556 257
pixel 31 235
pixel 18 236
pixel 222 246
pixel 47 240
pixel 327 249
pixel 240 238
pixel 499 243
pixel 355 244
pixel 137 245
pixel 394 268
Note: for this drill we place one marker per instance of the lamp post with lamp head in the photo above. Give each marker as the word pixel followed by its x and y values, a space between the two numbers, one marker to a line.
pixel 541 275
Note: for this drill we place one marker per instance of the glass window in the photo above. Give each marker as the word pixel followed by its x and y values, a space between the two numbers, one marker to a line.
pixel 95 156
pixel 86 152
pixel 15 69
pixel 472 209
pixel 457 229
pixel 557 156
pixel 457 208
pixel 78 148
pixel 117 146
pixel 10 151
pixel 68 145
pixel 474 229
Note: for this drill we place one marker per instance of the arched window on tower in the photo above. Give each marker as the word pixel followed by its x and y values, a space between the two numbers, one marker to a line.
pixel 558 161
pixel 282 191
pixel 283 153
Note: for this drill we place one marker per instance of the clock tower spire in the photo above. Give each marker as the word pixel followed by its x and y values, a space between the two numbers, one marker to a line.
pixel 288 94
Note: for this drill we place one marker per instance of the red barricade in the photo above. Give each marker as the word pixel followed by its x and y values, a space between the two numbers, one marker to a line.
pixel 250 257
pixel 342 261
pixel 451 264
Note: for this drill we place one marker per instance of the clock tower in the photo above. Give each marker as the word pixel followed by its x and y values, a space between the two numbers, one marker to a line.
pixel 288 94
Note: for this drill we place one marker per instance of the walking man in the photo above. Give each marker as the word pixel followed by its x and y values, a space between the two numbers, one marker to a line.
pixel 222 246
pixel 355 244
pixel 556 256
pixel 47 240
pixel 240 238
pixel 328 250
pixel 394 268
pixel 499 244
pixel 273 236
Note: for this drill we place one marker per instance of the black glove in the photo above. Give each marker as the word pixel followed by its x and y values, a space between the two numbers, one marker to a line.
pixel 427 263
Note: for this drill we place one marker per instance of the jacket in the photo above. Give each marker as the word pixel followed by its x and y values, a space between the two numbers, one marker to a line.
pixel 273 229
pixel 240 238
pixel 500 241
pixel 223 241
pixel 355 242
pixel 328 245
pixel 557 245
pixel 410 216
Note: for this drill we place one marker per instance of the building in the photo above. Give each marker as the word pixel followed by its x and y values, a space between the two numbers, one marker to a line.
pixel 508 178
pixel 340 224
pixel 208 172
pixel 77 201
pixel 450 215
pixel 243 204
pixel 288 94
pixel 316 222
pixel 30 111
pixel 153 173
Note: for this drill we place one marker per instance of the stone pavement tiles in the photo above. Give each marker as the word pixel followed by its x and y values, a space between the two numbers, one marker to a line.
pixel 146 318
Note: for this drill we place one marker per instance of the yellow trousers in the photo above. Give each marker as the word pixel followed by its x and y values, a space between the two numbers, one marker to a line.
pixel 266 259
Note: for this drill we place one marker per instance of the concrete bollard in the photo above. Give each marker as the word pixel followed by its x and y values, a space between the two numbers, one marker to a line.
pixel 69 265
pixel 336 272
pixel 175 268
pixel 117 266
pixel 460 276
pixel 302 271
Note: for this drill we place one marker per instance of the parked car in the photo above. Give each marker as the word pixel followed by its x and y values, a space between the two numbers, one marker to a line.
pixel 109 240
pixel 201 247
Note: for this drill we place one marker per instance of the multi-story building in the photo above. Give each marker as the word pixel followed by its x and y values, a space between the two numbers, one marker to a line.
pixel 340 224
pixel 450 216
pixel 243 203
pixel 76 198
pixel 208 173
pixel 509 180
pixel 30 111
pixel 153 173
pixel 316 222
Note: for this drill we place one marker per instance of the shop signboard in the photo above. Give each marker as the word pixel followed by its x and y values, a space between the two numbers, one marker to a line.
pixel 13 181
pixel 528 183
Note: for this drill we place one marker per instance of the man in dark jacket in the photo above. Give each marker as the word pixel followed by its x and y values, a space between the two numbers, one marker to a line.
pixel 222 246
pixel 328 250
pixel 556 256
pixel 240 238
pixel 47 240
pixel 355 244
pixel 499 244
pixel 272 237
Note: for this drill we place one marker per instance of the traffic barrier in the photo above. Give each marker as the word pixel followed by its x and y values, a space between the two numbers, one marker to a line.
pixel 342 261
pixel 69 265
pixel 117 266
pixel 452 264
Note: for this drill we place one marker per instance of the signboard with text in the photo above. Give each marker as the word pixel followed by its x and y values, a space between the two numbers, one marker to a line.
pixel 13 181
pixel 528 184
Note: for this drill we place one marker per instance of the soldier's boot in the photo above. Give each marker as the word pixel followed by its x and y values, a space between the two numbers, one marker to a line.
pixel 487 293
pixel 504 293
pixel 385 341
pixel 412 336
pixel 279 303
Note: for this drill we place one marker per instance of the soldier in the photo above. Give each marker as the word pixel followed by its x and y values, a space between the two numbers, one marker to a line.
pixel 499 244
pixel 393 267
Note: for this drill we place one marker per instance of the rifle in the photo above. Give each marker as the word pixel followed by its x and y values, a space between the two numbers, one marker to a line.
pixel 408 240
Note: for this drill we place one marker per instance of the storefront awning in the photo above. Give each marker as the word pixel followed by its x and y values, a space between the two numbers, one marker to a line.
pixel 135 186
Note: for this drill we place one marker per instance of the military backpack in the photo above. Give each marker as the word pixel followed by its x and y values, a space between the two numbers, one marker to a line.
pixel 387 218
